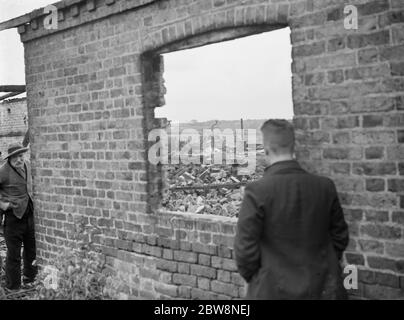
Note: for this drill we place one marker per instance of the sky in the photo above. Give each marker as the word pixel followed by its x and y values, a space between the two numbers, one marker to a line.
pixel 12 70
pixel 246 78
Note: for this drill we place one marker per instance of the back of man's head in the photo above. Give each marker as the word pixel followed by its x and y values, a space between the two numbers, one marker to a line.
pixel 278 136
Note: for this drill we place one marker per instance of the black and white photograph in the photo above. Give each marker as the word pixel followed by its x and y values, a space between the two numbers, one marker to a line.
pixel 201 154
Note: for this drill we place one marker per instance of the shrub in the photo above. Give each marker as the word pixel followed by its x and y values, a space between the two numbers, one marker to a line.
pixel 79 273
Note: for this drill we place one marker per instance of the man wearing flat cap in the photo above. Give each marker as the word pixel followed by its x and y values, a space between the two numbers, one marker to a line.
pixel 291 231
pixel 16 203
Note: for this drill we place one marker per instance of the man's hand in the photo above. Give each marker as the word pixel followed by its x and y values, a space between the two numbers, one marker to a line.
pixel 4 205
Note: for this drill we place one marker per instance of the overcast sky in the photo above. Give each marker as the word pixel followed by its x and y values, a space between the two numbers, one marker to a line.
pixel 11 49
pixel 246 78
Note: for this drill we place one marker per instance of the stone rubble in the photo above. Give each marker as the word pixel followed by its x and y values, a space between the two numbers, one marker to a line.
pixel 206 189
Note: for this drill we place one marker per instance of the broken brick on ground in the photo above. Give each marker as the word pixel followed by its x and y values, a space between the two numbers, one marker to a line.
pixel 207 189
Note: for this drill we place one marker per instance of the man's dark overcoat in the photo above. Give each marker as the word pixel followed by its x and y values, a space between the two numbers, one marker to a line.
pixel 290 236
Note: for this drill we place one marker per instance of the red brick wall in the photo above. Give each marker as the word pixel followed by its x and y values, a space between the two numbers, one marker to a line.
pixel 91 101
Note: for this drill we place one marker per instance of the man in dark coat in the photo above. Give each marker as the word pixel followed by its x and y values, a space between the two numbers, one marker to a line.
pixel 16 202
pixel 291 231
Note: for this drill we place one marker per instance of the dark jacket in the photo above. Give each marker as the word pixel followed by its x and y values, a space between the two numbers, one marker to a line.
pixel 291 233
pixel 15 187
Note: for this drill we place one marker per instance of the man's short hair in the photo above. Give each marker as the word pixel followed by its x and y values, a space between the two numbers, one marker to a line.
pixel 279 136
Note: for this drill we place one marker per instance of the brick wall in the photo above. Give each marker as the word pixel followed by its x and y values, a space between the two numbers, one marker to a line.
pixel 173 255
pixel 13 123
pixel 92 87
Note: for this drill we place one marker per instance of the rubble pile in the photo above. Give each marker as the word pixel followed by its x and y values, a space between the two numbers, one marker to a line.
pixel 206 189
